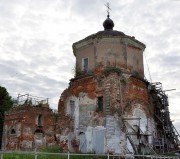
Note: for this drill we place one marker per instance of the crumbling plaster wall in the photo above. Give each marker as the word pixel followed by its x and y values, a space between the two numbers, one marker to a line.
pixel 128 99
pixel 20 128
pixel 138 106
pixel 82 92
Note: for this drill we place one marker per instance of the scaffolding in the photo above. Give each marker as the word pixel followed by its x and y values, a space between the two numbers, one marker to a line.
pixel 143 146
pixel 27 99
pixel 167 137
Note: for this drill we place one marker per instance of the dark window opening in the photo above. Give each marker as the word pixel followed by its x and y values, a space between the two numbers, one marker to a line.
pixel 13 132
pixel 85 64
pixel 40 120
pixel 55 138
pixel 100 104
pixel 38 131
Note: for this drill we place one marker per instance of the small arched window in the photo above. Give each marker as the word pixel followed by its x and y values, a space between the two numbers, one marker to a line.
pixel 38 131
pixel 13 132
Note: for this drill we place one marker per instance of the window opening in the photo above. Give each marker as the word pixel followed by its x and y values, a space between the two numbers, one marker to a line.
pixel 13 132
pixel 85 64
pixel 40 120
pixel 38 131
pixel 38 134
pixel 72 108
pixel 100 104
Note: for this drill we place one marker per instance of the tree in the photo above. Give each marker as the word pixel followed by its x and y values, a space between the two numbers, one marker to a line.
pixel 6 103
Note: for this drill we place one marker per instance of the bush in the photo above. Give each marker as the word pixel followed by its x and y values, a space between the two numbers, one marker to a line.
pixel 109 70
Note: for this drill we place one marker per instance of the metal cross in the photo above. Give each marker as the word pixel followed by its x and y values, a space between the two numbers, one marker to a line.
pixel 108 8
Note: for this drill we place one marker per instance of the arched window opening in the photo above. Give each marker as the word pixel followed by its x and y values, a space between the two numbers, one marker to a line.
pixel 38 134
pixel 13 132
pixel 40 120
pixel 38 131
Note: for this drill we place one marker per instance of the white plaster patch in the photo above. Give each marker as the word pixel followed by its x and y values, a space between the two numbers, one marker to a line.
pixel 89 135
pixel 139 113
pixel 27 144
pixel 73 112
pixel 86 101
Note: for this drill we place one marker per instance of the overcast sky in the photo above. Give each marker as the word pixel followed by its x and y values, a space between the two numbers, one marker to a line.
pixel 36 38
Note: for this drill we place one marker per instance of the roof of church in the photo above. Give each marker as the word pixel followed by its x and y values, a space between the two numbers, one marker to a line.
pixel 108 28
pixel 108 31
pixel 108 25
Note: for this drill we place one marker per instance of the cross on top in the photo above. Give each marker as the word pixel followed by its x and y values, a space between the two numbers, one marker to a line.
pixel 108 8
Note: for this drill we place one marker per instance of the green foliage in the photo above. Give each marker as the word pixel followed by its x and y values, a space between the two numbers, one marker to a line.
pixel 123 80
pixel 18 156
pixel 77 71
pixel 109 70
pixel 5 100
pixel 52 149
pixel 5 104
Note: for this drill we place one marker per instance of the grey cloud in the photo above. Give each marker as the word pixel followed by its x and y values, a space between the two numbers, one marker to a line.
pixel 36 46
pixel 79 7
pixel 155 23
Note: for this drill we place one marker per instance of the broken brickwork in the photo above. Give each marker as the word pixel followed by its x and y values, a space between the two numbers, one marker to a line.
pixel 27 127
pixel 121 94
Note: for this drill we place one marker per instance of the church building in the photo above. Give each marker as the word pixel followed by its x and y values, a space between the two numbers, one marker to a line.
pixel 109 106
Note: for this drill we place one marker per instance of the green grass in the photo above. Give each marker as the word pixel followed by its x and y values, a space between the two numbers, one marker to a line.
pixel 29 156
pixel 18 156
pixel 54 149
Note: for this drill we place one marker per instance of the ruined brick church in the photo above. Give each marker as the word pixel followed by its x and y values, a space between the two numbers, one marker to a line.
pixel 108 107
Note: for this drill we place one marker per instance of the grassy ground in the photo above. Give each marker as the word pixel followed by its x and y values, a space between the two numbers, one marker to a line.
pixel 27 156
pixel 47 156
